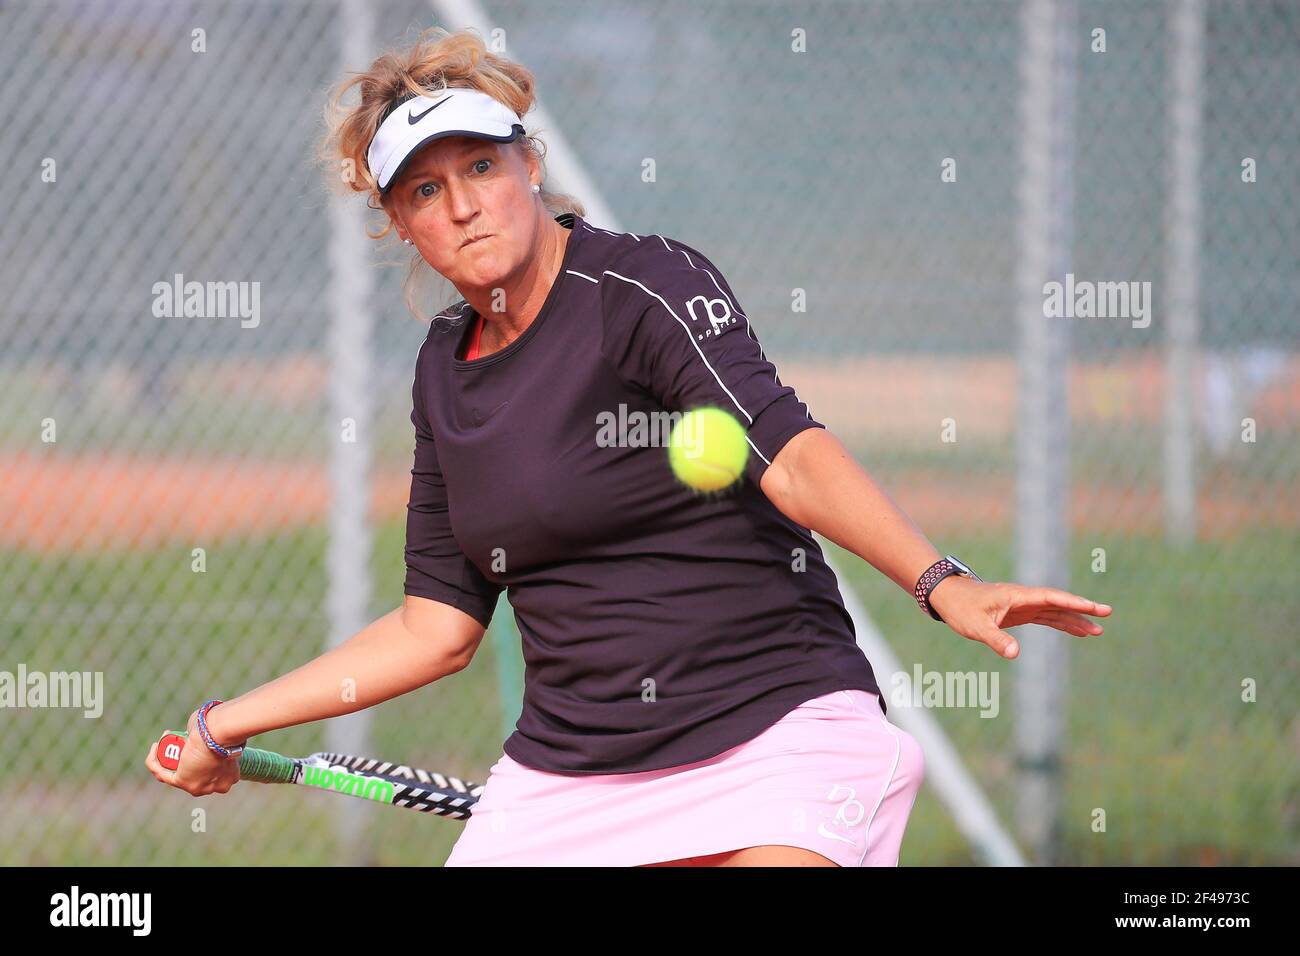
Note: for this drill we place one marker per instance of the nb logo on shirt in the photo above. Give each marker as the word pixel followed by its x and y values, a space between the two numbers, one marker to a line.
pixel 717 311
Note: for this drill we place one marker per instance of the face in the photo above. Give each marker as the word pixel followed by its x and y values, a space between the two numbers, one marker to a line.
pixel 461 188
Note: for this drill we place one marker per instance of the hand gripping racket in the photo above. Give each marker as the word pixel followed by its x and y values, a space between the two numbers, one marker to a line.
pixel 365 777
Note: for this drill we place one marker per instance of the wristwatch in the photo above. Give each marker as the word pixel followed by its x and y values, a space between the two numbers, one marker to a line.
pixel 936 573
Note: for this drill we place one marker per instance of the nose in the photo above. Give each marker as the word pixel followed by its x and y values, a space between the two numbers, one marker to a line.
pixel 462 202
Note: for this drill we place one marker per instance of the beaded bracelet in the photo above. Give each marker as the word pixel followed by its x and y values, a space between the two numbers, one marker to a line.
pixel 215 747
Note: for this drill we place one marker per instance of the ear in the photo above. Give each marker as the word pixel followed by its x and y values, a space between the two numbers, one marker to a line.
pixel 402 234
pixel 534 166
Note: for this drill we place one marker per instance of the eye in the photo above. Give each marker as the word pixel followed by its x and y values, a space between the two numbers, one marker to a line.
pixel 488 161
pixel 424 189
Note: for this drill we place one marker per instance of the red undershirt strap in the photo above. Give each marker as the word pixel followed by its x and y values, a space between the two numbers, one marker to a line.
pixel 472 352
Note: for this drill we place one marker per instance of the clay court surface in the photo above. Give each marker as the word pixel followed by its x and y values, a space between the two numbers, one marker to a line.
pixel 55 502
pixel 70 505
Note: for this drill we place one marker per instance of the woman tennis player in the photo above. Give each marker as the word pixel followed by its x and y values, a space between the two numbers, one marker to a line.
pixel 694 694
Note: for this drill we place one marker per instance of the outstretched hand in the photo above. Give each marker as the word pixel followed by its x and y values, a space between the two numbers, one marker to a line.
pixel 978 610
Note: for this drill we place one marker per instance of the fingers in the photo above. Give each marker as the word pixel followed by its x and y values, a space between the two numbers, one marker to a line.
pixel 1075 624
pixel 161 773
pixel 1055 597
pixel 1002 642
pixel 170 777
pixel 1009 648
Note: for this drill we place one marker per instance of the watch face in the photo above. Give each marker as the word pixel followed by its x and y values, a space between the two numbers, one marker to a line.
pixel 961 567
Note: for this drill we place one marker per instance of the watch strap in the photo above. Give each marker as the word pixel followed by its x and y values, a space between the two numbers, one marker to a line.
pixel 927 581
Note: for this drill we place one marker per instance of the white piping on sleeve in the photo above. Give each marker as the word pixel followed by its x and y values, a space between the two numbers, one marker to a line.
pixel 691 338
pixel 776 375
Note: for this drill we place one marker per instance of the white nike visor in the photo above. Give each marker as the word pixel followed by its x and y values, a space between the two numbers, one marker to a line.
pixel 416 122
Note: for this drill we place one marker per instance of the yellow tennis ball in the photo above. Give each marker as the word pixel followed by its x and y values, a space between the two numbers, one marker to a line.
pixel 707 449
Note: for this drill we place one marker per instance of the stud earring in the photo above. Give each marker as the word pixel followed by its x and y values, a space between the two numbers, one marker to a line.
pixel 408 242
pixel 536 188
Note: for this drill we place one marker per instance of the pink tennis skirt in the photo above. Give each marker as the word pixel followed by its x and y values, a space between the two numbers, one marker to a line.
pixel 832 776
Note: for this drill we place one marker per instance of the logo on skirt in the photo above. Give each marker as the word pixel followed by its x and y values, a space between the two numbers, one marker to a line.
pixel 848 814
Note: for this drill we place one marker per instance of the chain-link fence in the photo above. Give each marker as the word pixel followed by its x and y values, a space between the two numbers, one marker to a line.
pixel 170 501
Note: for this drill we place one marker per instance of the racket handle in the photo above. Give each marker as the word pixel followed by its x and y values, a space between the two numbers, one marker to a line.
pixel 260 766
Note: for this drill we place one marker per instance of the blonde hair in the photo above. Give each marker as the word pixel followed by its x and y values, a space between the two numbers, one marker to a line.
pixel 435 60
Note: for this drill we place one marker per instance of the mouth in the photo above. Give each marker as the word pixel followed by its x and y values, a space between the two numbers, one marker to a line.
pixel 470 242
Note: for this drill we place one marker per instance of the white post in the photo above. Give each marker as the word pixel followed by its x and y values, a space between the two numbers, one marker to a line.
pixel 349 593
pixel 1182 238
pixel 1048 64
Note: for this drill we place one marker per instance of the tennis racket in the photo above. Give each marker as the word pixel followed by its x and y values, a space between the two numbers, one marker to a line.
pixel 365 777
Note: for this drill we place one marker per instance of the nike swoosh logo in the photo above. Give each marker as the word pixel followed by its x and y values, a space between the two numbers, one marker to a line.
pixel 412 118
